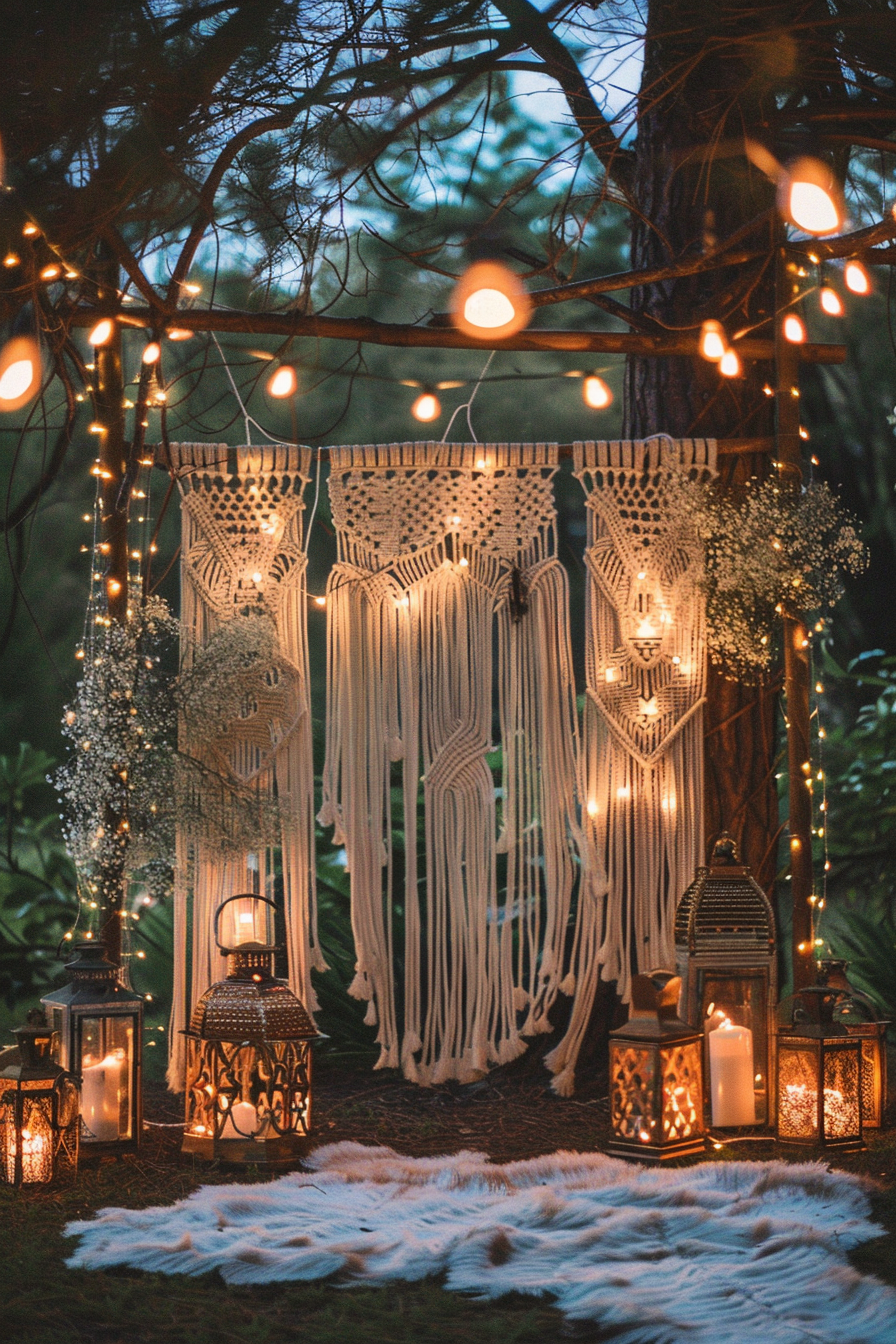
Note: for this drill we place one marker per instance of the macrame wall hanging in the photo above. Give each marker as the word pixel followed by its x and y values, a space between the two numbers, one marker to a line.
pixel 247 775
pixel 448 637
pixel 643 724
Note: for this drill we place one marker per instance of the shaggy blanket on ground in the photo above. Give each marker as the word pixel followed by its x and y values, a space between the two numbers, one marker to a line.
pixel 746 1251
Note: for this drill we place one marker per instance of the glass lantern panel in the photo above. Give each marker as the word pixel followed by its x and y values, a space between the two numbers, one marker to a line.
pixel 682 1072
pixel 871 1081
pixel 247 920
pixel 632 1091
pixel 106 1067
pixel 743 999
pixel 797 1092
pixel 34 1141
pixel 842 1098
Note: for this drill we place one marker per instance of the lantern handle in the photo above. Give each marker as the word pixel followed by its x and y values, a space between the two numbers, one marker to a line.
pixel 240 896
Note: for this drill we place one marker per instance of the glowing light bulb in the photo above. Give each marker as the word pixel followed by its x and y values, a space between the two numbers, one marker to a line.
pixel 20 366
pixel 191 288
pixel 713 341
pixel 282 382
pixel 794 329
pixel 10 260
pixel 729 365
pixel 490 301
pixel 856 278
pixel 320 601
pixel 30 231
pixel 596 393
pixel 830 301
pixel 101 333
pixel 179 334
pixel 591 809
pixel 426 407
pixel 153 353
pixel 50 272
pixel 810 198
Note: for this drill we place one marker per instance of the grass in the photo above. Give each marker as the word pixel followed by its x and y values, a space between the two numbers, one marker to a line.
pixel 509 1115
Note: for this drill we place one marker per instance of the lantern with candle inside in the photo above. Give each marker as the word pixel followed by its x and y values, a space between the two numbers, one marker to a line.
pixel 248 1084
pixel 725 954
pixel 857 1012
pixel 656 1076
pixel 819 1073
pixel 99 1024
pixel 38 1112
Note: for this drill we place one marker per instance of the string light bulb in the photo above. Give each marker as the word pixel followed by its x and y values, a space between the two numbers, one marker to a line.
pixel 729 364
pixel 809 197
pixel 794 329
pixel 101 334
pixel 426 407
pixel 713 341
pixel 152 353
pixel 856 278
pixel 596 393
pixel 283 382
pixel 830 301
pixel 489 300
pixel 179 334
pixel 20 368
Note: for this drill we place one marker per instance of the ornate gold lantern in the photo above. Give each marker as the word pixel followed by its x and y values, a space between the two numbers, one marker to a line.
pixel 656 1076
pixel 38 1112
pixel 725 952
pixel 855 1011
pixel 819 1073
pixel 99 1025
pixel 248 1079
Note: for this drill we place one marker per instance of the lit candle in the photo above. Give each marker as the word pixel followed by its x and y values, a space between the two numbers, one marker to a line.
pixel 241 1121
pixel 36 1157
pixel 731 1075
pixel 100 1098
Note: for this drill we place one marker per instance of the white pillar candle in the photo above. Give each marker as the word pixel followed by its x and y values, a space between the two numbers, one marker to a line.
pixel 241 1121
pixel 100 1098
pixel 731 1075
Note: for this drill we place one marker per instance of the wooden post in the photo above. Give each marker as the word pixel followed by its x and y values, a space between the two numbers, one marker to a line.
pixel 796 653
pixel 114 500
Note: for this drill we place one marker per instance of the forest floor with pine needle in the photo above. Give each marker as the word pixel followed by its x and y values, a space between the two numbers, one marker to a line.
pixel 512 1114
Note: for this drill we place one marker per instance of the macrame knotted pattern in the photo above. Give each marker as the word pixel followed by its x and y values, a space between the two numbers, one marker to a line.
pixel 645 664
pixel 243 560
pixel 448 621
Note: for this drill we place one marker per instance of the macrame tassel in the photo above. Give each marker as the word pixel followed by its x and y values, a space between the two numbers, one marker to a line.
pixel 443 547
pixel 242 557
pixel 643 726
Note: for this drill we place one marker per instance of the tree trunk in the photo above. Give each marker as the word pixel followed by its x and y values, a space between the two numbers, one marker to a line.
pixel 710 72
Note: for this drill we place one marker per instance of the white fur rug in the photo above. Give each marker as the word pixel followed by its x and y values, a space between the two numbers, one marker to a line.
pixel 753 1252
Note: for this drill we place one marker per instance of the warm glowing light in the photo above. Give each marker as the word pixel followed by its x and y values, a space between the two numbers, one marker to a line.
pixel 490 301
pixel 591 809
pixel 794 329
pixel 30 230
pixel 282 382
pixel 830 301
pixel 856 278
pixel 810 198
pixel 713 341
pixel 612 674
pixel 191 288
pixel 113 587
pixel 426 407
pixel 596 393
pixel 50 272
pixel 320 601
pixel 179 334
pixel 10 259
pixel 153 353
pixel 729 365
pixel 101 333
pixel 20 366
pixel 623 791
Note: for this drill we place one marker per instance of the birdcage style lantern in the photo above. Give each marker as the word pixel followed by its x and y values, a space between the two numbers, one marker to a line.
pixel 819 1073
pixel 248 1083
pixel 656 1076
pixel 725 954
pixel 857 1012
pixel 98 1022
pixel 38 1113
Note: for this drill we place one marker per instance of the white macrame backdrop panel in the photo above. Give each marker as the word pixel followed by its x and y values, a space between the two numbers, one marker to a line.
pixel 242 549
pixel 645 665
pixel 434 543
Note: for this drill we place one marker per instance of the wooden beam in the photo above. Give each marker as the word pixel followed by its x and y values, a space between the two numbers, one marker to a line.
pixel 405 335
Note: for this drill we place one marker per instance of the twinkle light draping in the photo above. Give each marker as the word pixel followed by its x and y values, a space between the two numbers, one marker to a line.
pixel 643 725
pixel 243 558
pixel 448 638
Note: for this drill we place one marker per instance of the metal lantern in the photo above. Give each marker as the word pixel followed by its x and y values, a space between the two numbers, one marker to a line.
pixel 725 953
pixel 38 1112
pixel 819 1073
pixel 99 1023
pixel 656 1076
pixel 248 1079
pixel 855 1011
